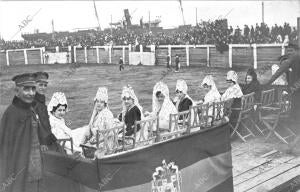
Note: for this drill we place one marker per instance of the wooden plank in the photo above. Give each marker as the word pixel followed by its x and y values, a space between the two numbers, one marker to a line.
pixel 264 167
pixel 241 148
pixel 269 153
pixel 264 177
pixel 245 163
pixel 218 59
pixel 16 58
pixel 91 55
pixel 3 59
pixel 250 155
pixel 80 56
pixel 289 185
pixel 198 56
pixel 34 56
pixel 242 57
pixel 253 146
pixel 276 180
pixel 248 171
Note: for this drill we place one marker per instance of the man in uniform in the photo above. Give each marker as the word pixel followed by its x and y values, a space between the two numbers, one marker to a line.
pixel 290 64
pixel 39 105
pixel 20 140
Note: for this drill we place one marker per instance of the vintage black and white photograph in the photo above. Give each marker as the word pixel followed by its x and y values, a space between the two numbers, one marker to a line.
pixel 150 96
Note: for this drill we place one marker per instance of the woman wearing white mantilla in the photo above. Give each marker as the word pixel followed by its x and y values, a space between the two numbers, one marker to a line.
pixel 131 111
pixel 102 118
pixel 212 93
pixel 162 106
pixel 182 100
pixel 234 90
pixel 57 109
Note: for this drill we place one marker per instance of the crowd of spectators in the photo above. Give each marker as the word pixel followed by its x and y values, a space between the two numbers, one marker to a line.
pixel 206 32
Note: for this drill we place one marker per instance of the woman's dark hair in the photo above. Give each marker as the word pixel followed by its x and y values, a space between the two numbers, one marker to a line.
pixel 158 93
pixel 231 81
pixel 252 73
pixel 205 85
pixel 56 107
pixel 105 104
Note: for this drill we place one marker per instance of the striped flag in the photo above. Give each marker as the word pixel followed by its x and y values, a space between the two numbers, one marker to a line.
pixel 196 162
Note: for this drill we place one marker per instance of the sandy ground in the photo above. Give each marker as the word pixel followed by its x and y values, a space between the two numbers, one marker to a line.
pixel 80 84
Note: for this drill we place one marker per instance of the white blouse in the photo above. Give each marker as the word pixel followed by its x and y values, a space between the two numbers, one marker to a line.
pixel 212 96
pixel 59 128
pixel 233 91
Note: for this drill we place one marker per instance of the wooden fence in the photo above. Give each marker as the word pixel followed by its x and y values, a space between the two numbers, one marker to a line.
pixel 256 55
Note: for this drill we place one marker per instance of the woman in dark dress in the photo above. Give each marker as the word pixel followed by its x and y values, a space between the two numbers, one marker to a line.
pixel 131 112
pixel 252 84
pixel 182 100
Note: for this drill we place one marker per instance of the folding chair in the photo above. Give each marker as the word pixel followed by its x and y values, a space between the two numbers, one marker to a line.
pixel 178 125
pixel 268 111
pixel 221 110
pixel 62 142
pixel 202 118
pixel 147 134
pixel 110 140
pixel 107 141
pixel 281 113
pixel 244 113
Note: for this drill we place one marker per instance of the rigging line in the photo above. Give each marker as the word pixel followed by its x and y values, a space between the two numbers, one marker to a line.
pixel 96 14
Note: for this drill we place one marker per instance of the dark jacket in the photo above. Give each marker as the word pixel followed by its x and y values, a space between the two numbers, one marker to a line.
pixel 16 133
pixel 291 66
pixel 253 86
pixel 130 117
pixel 184 105
pixel 45 127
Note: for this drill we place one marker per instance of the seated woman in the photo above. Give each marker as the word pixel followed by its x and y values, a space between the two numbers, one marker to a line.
pixel 131 111
pixel 252 85
pixel 102 118
pixel 182 100
pixel 162 106
pixel 57 108
pixel 212 94
pixel 234 90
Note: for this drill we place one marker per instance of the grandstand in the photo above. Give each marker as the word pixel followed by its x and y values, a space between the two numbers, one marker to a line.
pixel 204 33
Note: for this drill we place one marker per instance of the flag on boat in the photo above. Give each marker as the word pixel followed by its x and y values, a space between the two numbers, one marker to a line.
pixel 200 161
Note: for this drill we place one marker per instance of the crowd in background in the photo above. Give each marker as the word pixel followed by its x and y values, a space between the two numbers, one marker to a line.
pixel 206 32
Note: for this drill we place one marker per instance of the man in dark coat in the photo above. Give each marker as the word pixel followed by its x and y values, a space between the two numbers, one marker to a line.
pixel 121 63
pixel 20 140
pixel 39 105
pixel 290 64
pixel 168 61
pixel 177 63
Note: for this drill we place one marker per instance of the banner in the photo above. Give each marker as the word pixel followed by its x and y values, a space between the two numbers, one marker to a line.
pixel 197 162
pixel 144 58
